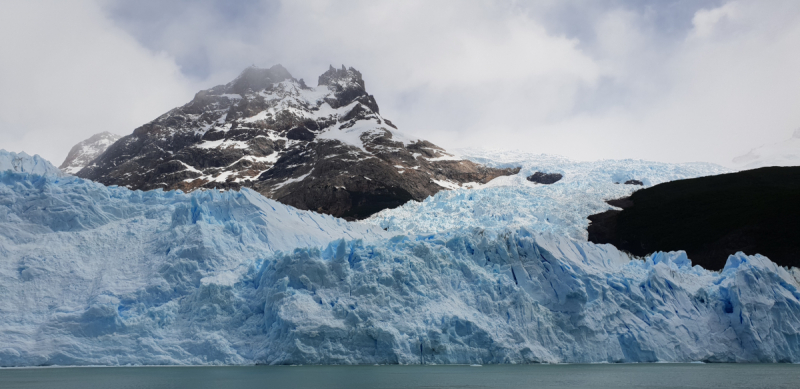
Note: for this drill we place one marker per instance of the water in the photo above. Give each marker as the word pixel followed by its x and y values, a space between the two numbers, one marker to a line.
pixel 727 376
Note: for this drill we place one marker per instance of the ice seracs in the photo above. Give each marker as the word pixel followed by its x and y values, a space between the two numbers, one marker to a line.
pixel 75 253
pixel 510 201
pixel 24 163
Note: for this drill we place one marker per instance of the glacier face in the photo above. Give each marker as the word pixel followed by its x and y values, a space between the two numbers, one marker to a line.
pixel 74 252
pixel 105 275
pixel 522 297
pixel 24 163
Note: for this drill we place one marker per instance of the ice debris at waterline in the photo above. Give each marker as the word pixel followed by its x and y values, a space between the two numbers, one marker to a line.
pixel 93 275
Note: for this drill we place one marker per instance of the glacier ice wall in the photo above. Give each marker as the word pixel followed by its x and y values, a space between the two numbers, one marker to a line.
pixel 521 297
pixel 104 275
pixel 70 247
pixel 24 163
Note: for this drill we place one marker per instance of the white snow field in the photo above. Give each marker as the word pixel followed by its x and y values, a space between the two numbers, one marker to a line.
pixel 784 153
pixel 91 275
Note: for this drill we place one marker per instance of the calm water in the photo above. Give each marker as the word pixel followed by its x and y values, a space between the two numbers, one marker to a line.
pixel 354 377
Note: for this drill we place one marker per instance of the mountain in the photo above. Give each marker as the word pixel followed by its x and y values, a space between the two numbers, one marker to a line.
pixel 325 149
pixel 97 275
pixel 561 208
pixel 86 151
pixel 785 153
pixel 753 211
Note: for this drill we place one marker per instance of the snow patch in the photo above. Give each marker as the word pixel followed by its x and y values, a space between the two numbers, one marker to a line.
pixel 292 180
pixel 446 184
pixel 352 135
pixel 445 158
pixel 222 144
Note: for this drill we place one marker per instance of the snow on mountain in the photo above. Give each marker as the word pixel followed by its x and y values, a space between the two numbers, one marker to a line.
pixel 105 275
pixel 325 148
pixel 512 201
pixel 785 153
pixel 86 151
pixel 24 163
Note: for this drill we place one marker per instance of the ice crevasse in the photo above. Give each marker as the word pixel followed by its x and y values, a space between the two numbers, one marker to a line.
pixel 103 275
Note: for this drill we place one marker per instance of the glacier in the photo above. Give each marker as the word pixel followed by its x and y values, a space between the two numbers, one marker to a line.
pixel 24 163
pixel 512 201
pixel 95 275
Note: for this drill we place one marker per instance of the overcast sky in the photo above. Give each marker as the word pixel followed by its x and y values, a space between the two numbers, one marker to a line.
pixel 660 80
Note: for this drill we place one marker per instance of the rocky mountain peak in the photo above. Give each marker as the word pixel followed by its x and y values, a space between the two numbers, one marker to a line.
pixel 344 78
pixel 326 149
pixel 347 86
pixel 86 151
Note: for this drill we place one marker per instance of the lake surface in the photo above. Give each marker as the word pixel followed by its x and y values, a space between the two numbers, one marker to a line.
pixel 354 377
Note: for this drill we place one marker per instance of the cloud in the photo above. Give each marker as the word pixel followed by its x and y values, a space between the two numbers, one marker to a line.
pixel 724 88
pixel 68 72
pixel 662 80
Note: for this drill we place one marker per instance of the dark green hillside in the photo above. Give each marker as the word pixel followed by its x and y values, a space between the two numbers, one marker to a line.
pixel 754 211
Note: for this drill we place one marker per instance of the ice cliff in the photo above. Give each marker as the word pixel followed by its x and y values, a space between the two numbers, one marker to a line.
pixel 104 275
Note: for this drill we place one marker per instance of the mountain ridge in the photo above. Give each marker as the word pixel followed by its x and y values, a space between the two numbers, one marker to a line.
pixel 326 149
pixel 86 151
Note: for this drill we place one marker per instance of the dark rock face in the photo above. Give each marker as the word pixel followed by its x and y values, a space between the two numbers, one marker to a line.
pixel 634 182
pixel 86 151
pixel 545 178
pixel 754 211
pixel 325 149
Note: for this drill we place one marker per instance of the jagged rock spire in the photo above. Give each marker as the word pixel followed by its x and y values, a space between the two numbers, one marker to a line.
pixel 341 77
